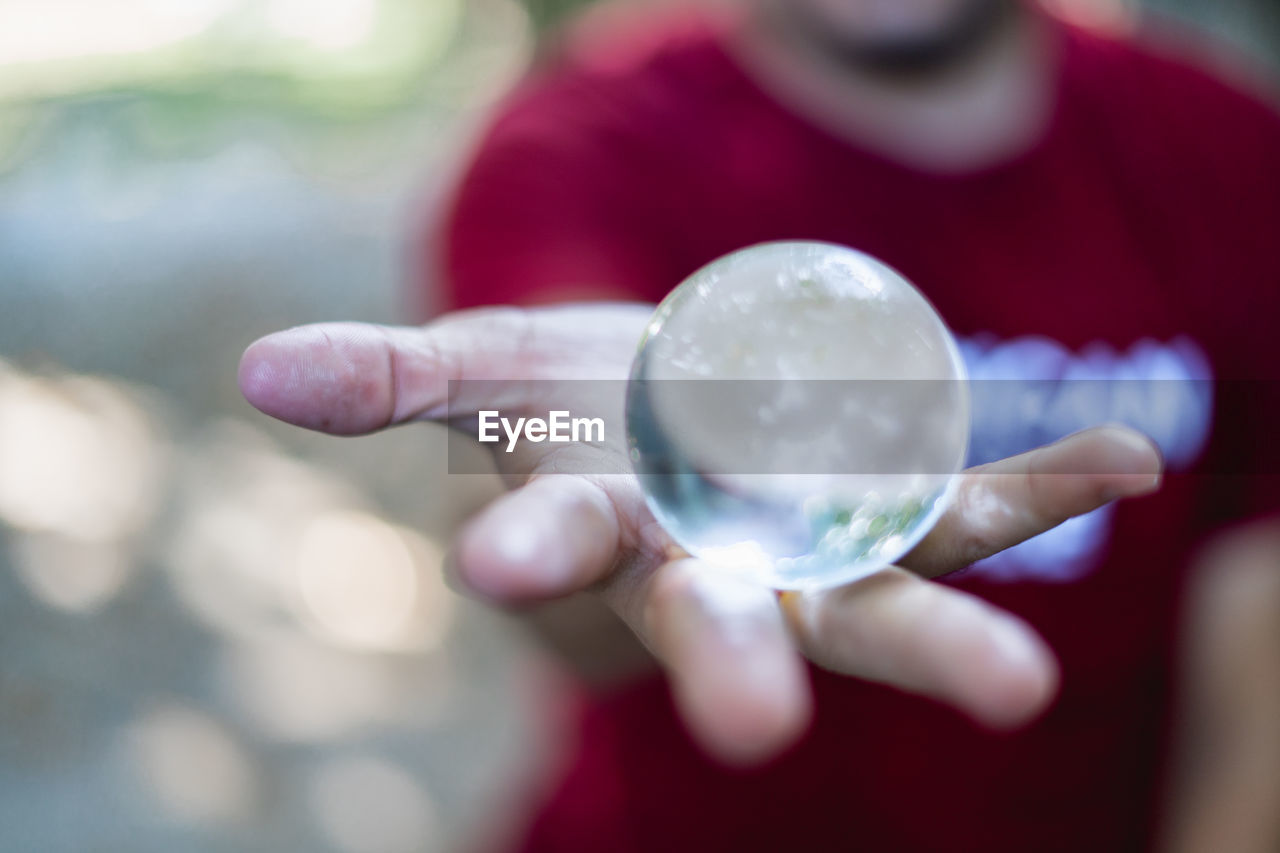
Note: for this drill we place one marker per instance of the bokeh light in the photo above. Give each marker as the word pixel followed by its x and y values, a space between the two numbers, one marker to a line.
pixel 366 584
pixel 71 574
pixel 47 30
pixel 290 689
pixel 193 765
pixel 77 458
pixel 369 805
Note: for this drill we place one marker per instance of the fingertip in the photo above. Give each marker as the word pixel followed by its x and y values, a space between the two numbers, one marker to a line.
pixel 259 374
pixel 1132 461
pixel 756 725
pixel 1135 441
pixel 507 561
pixel 552 537
pixel 277 376
pixel 331 377
pixel 1146 455
pixel 739 683
pixel 1020 681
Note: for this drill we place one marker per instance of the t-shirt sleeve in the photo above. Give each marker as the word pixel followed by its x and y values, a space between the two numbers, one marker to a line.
pixel 548 211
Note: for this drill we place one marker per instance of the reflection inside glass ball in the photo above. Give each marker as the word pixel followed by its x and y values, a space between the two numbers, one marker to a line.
pixel 797 414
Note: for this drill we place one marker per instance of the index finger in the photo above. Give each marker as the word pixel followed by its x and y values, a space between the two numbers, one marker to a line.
pixel 998 505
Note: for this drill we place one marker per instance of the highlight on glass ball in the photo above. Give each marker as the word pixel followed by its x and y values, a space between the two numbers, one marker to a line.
pixel 797 414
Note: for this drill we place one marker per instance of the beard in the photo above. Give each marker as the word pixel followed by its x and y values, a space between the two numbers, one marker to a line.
pixel 907 57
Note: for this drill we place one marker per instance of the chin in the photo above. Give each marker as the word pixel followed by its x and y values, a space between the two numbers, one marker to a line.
pixel 885 21
pixel 896 38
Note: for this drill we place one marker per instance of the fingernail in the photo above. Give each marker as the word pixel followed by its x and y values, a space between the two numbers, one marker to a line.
pixel 1136 441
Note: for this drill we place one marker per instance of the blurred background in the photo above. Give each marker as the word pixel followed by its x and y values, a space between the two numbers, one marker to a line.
pixel 217 633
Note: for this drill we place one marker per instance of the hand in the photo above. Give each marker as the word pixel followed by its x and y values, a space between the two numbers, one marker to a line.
pixel 1226 763
pixel 730 648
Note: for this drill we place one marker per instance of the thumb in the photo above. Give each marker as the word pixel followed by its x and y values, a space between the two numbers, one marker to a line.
pixel 354 378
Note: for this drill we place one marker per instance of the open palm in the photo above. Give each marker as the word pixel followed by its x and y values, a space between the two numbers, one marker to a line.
pixel 576 520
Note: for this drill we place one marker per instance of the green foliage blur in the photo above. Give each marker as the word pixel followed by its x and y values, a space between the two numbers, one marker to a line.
pixel 164 80
pixel 548 13
pixel 168 79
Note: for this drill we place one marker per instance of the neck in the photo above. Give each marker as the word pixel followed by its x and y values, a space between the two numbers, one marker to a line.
pixel 984 107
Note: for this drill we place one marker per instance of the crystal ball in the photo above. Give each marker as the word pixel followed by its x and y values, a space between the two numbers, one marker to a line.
pixel 797 414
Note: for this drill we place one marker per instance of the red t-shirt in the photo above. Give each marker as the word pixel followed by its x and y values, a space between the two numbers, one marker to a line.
pixel 1137 238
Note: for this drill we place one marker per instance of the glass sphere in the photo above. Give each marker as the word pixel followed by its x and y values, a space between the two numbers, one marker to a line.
pixel 797 414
